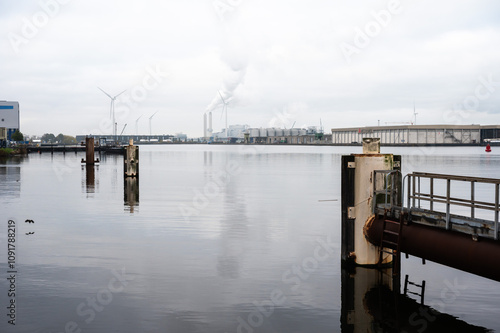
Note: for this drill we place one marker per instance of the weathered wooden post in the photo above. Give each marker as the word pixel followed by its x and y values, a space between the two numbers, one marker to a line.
pixel 131 176
pixel 89 151
pixel 357 200
pixel 131 160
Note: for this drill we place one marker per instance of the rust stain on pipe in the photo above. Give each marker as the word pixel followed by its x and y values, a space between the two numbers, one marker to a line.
pixel 445 247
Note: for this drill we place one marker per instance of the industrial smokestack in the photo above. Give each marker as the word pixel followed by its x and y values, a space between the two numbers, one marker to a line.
pixel 205 126
pixel 210 130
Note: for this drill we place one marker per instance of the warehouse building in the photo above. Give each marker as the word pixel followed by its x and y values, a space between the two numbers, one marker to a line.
pixel 9 120
pixel 418 134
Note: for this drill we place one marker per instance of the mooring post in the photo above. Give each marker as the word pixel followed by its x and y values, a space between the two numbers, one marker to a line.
pixel 131 160
pixel 89 151
pixel 357 202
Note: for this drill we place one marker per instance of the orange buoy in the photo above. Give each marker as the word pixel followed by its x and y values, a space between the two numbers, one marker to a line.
pixel 488 148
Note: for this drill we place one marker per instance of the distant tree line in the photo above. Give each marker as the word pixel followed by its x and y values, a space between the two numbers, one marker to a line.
pixel 61 138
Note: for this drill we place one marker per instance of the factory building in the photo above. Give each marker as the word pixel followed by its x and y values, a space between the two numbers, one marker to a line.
pixel 418 134
pixel 104 140
pixel 9 120
pixel 310 135
pixel 235 133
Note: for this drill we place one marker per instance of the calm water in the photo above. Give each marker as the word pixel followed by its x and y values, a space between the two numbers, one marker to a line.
pixel 212 239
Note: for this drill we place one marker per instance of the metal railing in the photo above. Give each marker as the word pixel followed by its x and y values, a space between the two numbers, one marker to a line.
pixel 386 189
pixel 416 195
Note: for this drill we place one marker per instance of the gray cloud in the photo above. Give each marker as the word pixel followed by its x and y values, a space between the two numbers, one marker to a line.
pixel 264 56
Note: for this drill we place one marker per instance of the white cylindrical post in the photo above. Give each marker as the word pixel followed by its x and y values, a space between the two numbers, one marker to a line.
pixel 367 254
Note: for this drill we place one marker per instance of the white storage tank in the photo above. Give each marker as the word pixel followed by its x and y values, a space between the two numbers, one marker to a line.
pixel 278 132
pixel 263 132
pixel 287 132
pixel 271 132
pixel 254 132
pixel 295 131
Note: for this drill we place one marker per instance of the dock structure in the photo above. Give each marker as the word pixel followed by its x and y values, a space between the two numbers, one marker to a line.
pixel 452 220
pixel 421 135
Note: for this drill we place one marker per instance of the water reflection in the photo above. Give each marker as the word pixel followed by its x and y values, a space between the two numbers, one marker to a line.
pixel 372 302
pixel 89 185
pixel 220 266
pixel 207 158
pixel 10 180
pixel 234 229
pixel 131 193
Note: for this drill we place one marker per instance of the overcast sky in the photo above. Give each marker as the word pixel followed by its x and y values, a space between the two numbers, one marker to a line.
pixel 348 63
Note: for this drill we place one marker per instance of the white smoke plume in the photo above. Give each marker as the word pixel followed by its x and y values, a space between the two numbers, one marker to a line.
pixel 235 57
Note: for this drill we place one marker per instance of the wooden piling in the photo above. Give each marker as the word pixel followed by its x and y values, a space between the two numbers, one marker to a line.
pixel 89 150
pixel 131 160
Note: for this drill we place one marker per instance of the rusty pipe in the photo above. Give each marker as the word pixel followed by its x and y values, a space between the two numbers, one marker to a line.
pixel 450 248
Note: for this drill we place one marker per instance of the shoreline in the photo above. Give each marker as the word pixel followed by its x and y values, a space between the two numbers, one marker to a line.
pixel 120 149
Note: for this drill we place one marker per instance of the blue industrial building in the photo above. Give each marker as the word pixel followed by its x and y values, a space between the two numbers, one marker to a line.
pixel 9 120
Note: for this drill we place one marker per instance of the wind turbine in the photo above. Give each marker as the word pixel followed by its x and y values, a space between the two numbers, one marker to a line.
pixel 150 122
pixel 136 127
pixel 224 106
pixel 414 113
pixel 112 108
